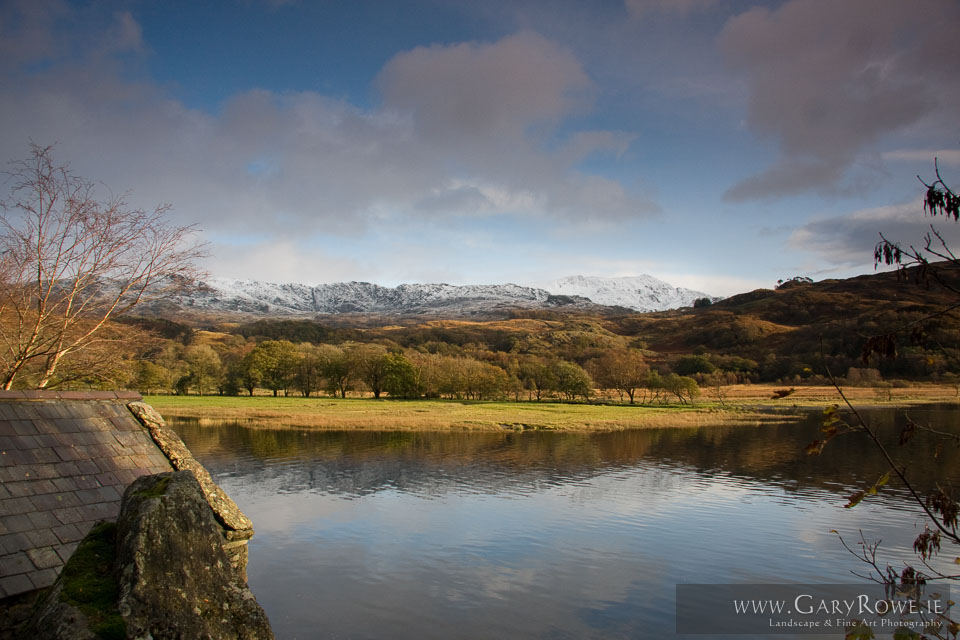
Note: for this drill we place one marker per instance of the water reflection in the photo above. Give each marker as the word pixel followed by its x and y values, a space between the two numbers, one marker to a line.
pixel 539 535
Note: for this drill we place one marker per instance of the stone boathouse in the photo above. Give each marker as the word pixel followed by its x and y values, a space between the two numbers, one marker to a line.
pixel 65 460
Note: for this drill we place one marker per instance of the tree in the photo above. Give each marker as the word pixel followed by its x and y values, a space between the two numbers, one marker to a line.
pixel 572 380
pixel 538 373
pixel 70 263
pixel 401 379
pixel 276 361
pixel 622 369
pixel 338 369
pixel 204 366
pixel 309 375
pixel 932 263
pixel 371 363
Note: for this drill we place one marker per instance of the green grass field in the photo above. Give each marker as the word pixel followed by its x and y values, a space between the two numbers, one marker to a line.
pixel 385 414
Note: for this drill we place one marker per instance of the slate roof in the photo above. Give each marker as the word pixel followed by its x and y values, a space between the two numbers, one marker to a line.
pixel 65 459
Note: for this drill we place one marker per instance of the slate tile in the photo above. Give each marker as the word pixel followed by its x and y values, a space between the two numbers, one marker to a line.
pixel 4 493
pixel 41 455
pixel 21 489
pixel 125 476
pixel 67 469
pixel 68 533
pixel 44 558
pixel 13 506
pixel 43 471
pixel 43 520
pixel 88 467
pixel 24 442
pixel 12 585
pixel 14 457
pixel 45 578
pixel 14 542
pixel 15 563
pixel 68 515
pixel 47 427
pixel 107 478
pixel 47 440
pixel 50 501
pixel 66 454
pixel 86 482
pixel 16 523
pixel 8 411
pixel 100 511
pixel 41 538
pixel 107 464
pixel 24 427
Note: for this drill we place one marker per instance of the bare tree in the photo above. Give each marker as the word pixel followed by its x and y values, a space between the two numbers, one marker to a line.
pixel 70 263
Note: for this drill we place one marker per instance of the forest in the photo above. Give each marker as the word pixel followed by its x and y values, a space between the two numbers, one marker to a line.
pixel 792 334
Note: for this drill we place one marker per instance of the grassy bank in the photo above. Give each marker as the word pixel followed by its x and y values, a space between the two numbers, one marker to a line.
pixel 365 413
pixel 746 404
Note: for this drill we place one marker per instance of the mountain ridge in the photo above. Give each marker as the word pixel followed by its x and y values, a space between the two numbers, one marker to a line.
pixel 638 293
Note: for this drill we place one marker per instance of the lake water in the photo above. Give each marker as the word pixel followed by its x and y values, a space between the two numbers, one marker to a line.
pixel 546 535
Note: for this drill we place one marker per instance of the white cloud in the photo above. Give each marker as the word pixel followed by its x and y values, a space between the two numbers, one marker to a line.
pixel 464 130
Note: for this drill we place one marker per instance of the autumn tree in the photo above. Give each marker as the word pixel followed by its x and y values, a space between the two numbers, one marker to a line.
pixel 275 361
pixel 931 263
pixel 371 364
pixel 572 380
pixel 538 374
pixel 70 263
pixel 204 366
pixel 338 369
pixel 621 369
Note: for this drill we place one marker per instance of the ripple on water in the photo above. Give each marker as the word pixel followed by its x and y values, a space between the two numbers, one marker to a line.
pixel 538 535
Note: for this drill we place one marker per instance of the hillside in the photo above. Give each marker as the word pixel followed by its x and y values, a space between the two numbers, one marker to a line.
pixel 785 330
pixel 789 335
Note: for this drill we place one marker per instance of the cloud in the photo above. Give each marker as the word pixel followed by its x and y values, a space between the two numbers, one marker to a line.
pixel 828 81
pixel 942 156
pixel 471 129
pixel 850 240
pixel 470 91
pixel 641 8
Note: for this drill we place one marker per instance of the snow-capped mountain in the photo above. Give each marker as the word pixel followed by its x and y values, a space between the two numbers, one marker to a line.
pixel 640 293
pixel 251 296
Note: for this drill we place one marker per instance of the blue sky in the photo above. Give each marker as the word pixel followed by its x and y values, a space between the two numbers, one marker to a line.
pixel 715 144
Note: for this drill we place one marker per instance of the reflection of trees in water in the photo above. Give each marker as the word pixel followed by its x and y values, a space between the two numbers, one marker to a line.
pixel 432 463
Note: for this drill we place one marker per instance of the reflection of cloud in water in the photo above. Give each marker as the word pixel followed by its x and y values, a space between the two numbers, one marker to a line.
pixel 535 535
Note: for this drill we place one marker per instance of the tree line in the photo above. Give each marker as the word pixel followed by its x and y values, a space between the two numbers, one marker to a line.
pixel 280 367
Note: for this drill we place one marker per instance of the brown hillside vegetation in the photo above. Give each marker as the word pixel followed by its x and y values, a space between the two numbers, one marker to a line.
pixel 789 336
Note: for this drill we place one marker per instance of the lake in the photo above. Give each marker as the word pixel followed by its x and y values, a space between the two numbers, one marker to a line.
pixel 548 535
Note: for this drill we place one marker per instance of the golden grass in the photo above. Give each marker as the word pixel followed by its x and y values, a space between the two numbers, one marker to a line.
pixel 746 404
pixel 432 415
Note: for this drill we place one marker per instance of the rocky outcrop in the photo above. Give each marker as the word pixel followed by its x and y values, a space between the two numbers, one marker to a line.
pixel 237 526
pixel 175 577
pixel 161 572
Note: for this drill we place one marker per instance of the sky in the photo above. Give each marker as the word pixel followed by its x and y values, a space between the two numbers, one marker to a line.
pixel 715 144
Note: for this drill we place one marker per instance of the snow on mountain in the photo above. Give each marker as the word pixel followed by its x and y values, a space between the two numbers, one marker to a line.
pixel 640 293
pixel 251 296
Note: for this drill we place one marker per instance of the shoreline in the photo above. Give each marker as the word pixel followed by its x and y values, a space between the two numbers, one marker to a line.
pixel 750 406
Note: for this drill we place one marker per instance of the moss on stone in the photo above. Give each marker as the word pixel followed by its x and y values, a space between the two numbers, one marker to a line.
pixel 89 583
pixel 158 489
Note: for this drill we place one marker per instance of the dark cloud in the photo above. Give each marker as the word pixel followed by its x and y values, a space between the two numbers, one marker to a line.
pixel 850 240
pixel 829 80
